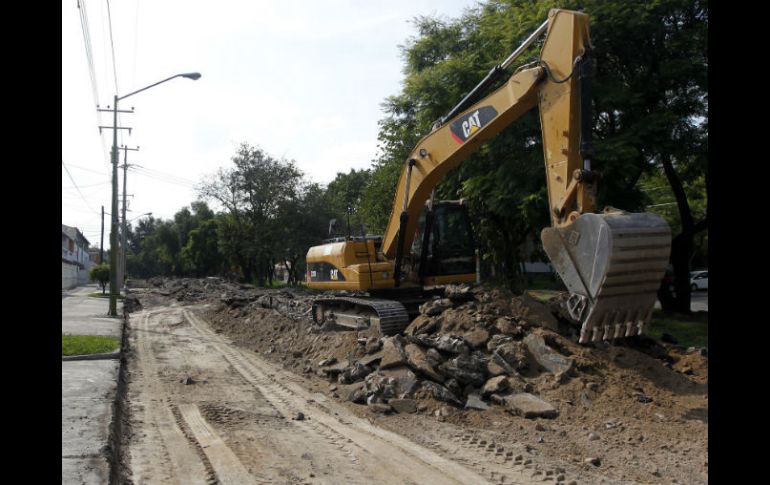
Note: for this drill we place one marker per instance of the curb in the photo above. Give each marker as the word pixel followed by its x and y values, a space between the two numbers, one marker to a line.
pixel 103 356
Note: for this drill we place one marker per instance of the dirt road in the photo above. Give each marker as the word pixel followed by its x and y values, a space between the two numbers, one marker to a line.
pixel 204 411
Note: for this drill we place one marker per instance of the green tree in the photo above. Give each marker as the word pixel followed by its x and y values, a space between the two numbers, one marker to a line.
pixel 303 223
pixel 201 253
pixel 251 193
pixel 101 274
pixel 344 196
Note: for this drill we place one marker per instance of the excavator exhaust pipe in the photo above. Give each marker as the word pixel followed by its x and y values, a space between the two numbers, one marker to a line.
pixel 612 265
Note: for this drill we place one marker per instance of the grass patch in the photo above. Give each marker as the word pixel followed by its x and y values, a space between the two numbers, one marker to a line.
pixel 87 344
pixel 689 330
pixel 542 295
pixel 542 281
pixel 98 294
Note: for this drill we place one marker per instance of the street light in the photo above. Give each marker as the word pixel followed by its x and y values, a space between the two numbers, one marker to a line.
pixel 137 217
pixel 113 311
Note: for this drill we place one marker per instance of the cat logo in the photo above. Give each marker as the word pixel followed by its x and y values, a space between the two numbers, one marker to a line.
pixel 468 124
pixel 471 125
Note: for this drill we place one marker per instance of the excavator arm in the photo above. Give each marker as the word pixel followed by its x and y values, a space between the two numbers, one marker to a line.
pixel 553 86
pixel 611 263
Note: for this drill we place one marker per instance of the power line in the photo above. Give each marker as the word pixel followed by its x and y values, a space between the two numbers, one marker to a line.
pixel 87 169
pixel 136 42
pixel 88 47
pixel 76 186
pixel 86 186
pixel 90 59
pixel 112 46
pixel 163 177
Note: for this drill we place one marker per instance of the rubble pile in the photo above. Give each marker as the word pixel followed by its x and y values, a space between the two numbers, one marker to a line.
pixel 472 349
pixel 476 356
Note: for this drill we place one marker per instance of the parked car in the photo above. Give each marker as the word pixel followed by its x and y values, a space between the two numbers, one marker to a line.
pixel 699 280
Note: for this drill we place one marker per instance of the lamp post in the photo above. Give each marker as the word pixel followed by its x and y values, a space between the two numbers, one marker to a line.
pixel 113 311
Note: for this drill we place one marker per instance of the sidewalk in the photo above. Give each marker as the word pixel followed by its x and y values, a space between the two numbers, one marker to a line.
pixel 88 390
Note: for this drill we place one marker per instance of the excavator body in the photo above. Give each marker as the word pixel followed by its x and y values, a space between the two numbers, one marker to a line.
pixel 611 262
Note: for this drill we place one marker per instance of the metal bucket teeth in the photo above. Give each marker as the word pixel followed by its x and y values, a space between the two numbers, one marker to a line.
pixel 612 265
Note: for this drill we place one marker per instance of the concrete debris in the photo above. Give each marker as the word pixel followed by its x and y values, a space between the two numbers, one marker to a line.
pixel 497 366
pixel 546 356
pixel 439 392
pixel 506 326
pixel 495 385
pixel 514 353
pixel 445 343
pixel 371 359
pixel 357 395
pixel 403 405
pixel 393 354
pixel 435 307
pixel 421 325
pixel 418 361
pixel 434 357
pixel 474 402
pixel 458 293
pixel 354 373
pixel 529 406
pixel 477 337
pixel 466 369
pixel 373 344
pixel 497 340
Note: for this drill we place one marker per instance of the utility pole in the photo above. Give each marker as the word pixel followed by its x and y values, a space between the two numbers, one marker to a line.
pixel 125 228
pixel 114 291
pixel 101 244
pixel 113 311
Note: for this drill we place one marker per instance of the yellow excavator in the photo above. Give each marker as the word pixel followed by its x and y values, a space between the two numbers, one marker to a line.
pixel 611 262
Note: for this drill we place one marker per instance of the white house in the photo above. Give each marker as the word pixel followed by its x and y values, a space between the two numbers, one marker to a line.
pixel 75 260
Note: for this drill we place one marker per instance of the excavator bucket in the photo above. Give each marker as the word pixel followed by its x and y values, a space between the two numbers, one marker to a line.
pixel 612 265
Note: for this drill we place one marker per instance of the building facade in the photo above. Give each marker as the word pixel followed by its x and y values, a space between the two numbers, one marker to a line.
pixel 75 258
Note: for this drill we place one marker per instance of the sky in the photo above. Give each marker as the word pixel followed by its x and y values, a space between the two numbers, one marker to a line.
pixel 303 80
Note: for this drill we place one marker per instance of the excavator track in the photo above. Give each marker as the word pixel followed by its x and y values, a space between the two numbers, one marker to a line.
pixel 392 315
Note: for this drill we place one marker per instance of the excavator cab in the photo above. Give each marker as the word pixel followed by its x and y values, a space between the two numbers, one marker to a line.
pixel 444 250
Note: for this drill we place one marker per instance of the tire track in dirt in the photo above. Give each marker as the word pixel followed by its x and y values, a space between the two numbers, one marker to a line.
pixel 166 451
pixel 374 448
pixel 274 440
pixel 229 469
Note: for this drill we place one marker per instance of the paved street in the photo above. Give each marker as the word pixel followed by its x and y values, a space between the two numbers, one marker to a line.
pixel 88 391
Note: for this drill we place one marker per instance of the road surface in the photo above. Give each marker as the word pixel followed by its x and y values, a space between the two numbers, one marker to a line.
pixel 205 411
